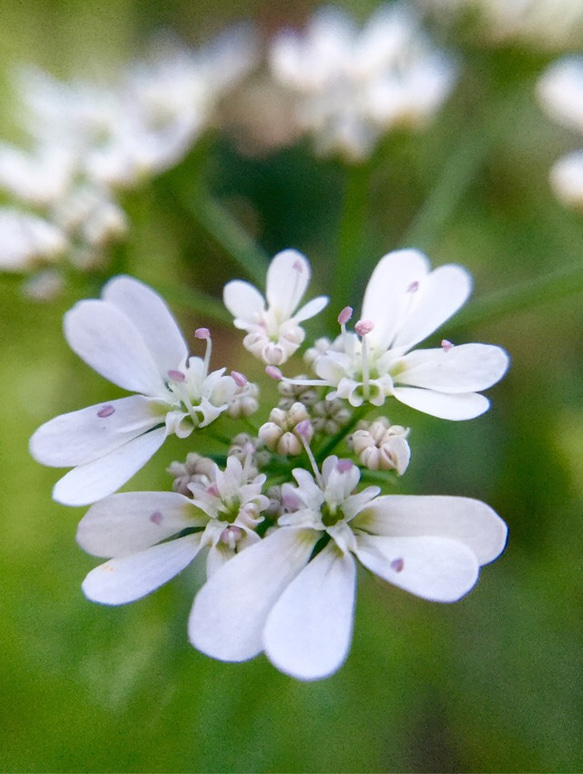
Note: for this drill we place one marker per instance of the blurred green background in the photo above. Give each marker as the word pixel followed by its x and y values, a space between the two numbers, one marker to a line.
pixel 493 683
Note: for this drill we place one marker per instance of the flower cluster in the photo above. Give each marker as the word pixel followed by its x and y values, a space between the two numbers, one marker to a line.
pixel 296 501
pixel 89 141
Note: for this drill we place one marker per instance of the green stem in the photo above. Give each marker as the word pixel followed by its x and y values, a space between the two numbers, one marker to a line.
pixel 551 287
pixel 351 232
pixel 228 232
pixel 456 177
pixel 207 306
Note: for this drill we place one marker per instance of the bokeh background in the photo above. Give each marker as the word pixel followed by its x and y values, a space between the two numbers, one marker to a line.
pixel 493 683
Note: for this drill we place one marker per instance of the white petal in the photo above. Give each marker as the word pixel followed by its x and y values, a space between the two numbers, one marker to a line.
pixel 82 436
pixel 108 341
pixel 439 296
pixel 229 612
pixel 244 302
pixel 467 368
pixel 434 568
pixel 438 404
pixel 288 276
pixel 132 521
pixel 101 477
pixel 131 577
pixel 309 630
pixel 152 318
pixel 311 309
pixel 461 518
pixel 389 293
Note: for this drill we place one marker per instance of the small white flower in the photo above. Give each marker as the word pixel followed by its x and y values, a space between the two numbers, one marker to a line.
pixel 130 337
pixel 566 178
pixel 152 536
pixel 274 332
pixel 352 86
pixel 403 304
pixel 276 597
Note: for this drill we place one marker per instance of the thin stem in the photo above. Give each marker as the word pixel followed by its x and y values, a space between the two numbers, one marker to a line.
pixel 456 177
pixel 228 232
pixel 205 305
pixel 551 287
pixel 351 231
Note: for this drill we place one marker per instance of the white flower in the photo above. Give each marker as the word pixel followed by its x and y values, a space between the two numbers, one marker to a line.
pixel 403 304
pixel 298 608
pixel 27 241
pixel 274 333
pixel 130 338
pixel 382 446
pixel 152 536
pixel 352 86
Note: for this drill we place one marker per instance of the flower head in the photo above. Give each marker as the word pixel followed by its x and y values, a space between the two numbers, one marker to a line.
pixel 353 86
pixel 403 304
pixel 292 594
pixel 273 330
pixel 130 337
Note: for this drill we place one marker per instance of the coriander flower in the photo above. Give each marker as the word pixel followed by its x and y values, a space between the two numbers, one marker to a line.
pixel 152 536
pixel 280 598
pixel 27 241
pixel 404 303
pixel 130 337
pixel 274 332
pixel 352 86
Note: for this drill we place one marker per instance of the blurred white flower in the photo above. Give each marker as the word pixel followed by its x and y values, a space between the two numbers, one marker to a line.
pixel 39 178
pixel 298 608
pixel 404 303
pixel 27 241
pixel 274 332
pixel 560 93
pixel 130 337
pixel 545 24
pixel 152 536
pixel 352 86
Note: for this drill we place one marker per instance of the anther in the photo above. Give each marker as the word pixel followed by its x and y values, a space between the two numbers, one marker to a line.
pixel 345 315
pixel 413 287
pixel 274 372
pixel 343 466
pixel 177 376
pixel 156 517
pixel 239 378
pixel 446 345
pixel 363 327
pixel 397 564
pixel 106 411
pixel 202 333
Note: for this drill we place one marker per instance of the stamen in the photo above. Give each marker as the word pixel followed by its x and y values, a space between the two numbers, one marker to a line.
pixel 397 564
pixel 363 327
pixel 106 411
pixel 303 431
pixel 345 315
pixel 177 376
pixel 446 345
pixel 205 334
pixel 239 378
pixel 274 372
pixel 156 517
pixel 413 287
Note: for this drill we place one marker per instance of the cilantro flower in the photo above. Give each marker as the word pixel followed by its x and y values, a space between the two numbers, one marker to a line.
pixel 152 536
pixel 404 303
pixel 273 332
pixel 280 598
pixel 351 86
pixel 130 337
